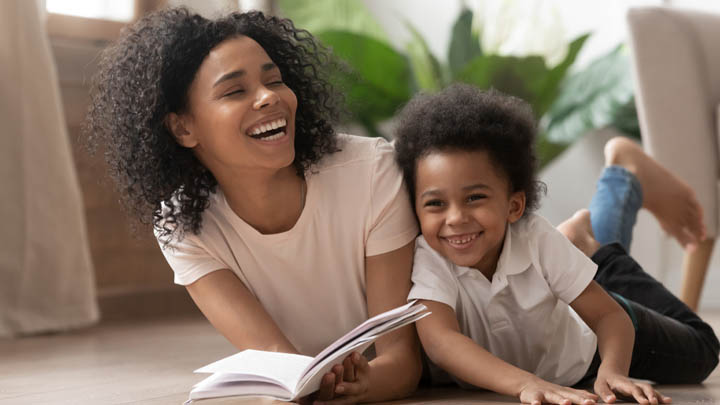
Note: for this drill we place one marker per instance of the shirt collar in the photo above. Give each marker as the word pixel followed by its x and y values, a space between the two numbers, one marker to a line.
pixel 515 256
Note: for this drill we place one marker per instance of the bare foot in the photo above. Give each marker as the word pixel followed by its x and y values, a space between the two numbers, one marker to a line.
pixel 666 196
pixel 578 229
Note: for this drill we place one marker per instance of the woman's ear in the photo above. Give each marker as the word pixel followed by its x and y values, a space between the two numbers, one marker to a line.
pixel 178 126
pixel 516 206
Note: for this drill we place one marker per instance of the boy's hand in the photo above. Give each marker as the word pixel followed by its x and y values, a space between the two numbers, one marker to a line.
pixel 607 383
pixel 540 391
pixel 353 383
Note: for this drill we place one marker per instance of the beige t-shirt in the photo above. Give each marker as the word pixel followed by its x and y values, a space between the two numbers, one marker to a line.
pixel 310 279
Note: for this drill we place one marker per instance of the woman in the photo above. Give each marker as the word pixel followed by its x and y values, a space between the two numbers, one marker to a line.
pixel 286 235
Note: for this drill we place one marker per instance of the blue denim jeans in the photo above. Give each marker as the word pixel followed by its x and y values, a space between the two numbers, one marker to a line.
pixel 672 344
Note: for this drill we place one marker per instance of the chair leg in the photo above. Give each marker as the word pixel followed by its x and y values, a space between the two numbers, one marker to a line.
pixel 695 266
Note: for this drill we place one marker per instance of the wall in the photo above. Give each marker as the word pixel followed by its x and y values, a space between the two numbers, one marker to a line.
pixel 133 278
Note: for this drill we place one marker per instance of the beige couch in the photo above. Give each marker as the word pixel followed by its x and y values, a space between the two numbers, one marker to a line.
pixel 676 58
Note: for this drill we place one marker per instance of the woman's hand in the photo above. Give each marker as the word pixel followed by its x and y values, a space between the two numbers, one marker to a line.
pixel 609 383
pixel 538 391
pixel 347 383
pixel 354 382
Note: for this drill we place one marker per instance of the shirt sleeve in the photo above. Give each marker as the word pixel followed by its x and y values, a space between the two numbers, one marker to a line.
pixel 433 276
pixel 566 269
pixel 189 259
pixel 392 221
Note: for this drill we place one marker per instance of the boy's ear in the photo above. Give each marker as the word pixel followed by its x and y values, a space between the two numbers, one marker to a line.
pixel 178 126
pixel 516 206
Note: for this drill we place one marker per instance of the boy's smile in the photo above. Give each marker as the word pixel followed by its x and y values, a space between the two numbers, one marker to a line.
pixel 464 205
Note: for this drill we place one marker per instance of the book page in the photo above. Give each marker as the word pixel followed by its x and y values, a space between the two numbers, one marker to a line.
pixel 360 329
pixel 374 326
pixel 225 385
pixel 285 368
pixel 310 381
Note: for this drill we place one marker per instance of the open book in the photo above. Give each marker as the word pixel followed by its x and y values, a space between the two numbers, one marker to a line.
pixel 287 376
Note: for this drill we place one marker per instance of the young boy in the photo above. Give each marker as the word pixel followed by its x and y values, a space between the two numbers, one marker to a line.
pixel 516 307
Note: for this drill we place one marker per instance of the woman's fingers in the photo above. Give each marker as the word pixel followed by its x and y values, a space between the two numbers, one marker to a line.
pixel 339 371
pixel 360 362
pixel 348 388
pixel 349 368
pixel 327 387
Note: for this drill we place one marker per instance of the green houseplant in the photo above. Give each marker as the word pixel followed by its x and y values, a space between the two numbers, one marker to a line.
pixel 381 78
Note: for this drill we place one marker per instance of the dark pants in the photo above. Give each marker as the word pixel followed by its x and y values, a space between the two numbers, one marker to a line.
pixel 672 344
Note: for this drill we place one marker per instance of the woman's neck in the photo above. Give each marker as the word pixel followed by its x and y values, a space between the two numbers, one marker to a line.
pixel 269 201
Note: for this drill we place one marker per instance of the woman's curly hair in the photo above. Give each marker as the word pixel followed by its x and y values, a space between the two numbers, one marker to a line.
pixel 146 74
pixel 463 117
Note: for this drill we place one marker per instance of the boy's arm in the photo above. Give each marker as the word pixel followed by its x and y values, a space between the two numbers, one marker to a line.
pixel 616 336
pixel 466 360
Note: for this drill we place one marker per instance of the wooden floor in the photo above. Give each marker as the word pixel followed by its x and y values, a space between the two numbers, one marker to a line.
pixel 151 362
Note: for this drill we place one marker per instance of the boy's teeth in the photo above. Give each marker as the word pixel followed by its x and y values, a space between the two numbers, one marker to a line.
pixel 457 241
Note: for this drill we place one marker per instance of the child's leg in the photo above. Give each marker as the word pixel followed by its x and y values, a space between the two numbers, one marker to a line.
pixel 672 344
pixel 614 207
pixel 631 180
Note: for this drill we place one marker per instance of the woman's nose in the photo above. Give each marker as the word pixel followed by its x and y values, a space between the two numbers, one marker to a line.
pixel 265 97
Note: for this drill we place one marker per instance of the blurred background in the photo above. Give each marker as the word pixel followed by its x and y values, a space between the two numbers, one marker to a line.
pixel 568 58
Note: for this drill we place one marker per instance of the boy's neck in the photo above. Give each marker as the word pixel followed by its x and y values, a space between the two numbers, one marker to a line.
pixel 488 265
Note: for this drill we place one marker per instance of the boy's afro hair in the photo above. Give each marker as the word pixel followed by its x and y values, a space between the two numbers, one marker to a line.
pixel 463 117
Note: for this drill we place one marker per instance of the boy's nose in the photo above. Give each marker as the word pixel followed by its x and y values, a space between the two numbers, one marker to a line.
pixel 456 216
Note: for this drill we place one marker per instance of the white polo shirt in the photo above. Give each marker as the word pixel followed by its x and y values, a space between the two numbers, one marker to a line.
pixel 522 316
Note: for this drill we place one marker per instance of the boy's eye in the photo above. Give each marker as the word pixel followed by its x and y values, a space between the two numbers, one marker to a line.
pixel 476 197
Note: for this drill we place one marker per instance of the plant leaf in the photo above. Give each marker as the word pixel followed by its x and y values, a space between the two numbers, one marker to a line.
pixel 324 15
pixel 374 90
pixel 550 86
pixel 519 76
pixel 625 119
pixel 464 43
pixel 427 70
pixel 590 98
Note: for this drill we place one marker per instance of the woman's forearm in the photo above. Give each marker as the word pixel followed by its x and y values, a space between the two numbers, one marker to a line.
pixel 396 371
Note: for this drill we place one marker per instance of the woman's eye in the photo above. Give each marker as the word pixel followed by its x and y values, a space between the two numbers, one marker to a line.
pixel 234 92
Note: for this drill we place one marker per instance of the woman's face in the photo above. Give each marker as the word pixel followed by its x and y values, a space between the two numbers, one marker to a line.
pixel 241 115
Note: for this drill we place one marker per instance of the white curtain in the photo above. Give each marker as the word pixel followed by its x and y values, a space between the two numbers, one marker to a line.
pixel 46 274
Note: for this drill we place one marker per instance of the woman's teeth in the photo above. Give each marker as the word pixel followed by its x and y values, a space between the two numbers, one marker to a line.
pixel 268 129
pixel 272 137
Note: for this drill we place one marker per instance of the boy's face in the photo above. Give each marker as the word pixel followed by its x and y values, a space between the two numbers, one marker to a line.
pixel 464 205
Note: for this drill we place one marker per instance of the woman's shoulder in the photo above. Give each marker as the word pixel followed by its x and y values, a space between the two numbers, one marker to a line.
pixel 355 150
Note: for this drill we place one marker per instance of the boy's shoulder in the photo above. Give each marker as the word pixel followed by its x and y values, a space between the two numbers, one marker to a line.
pixel 425 254
pixel 531 226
